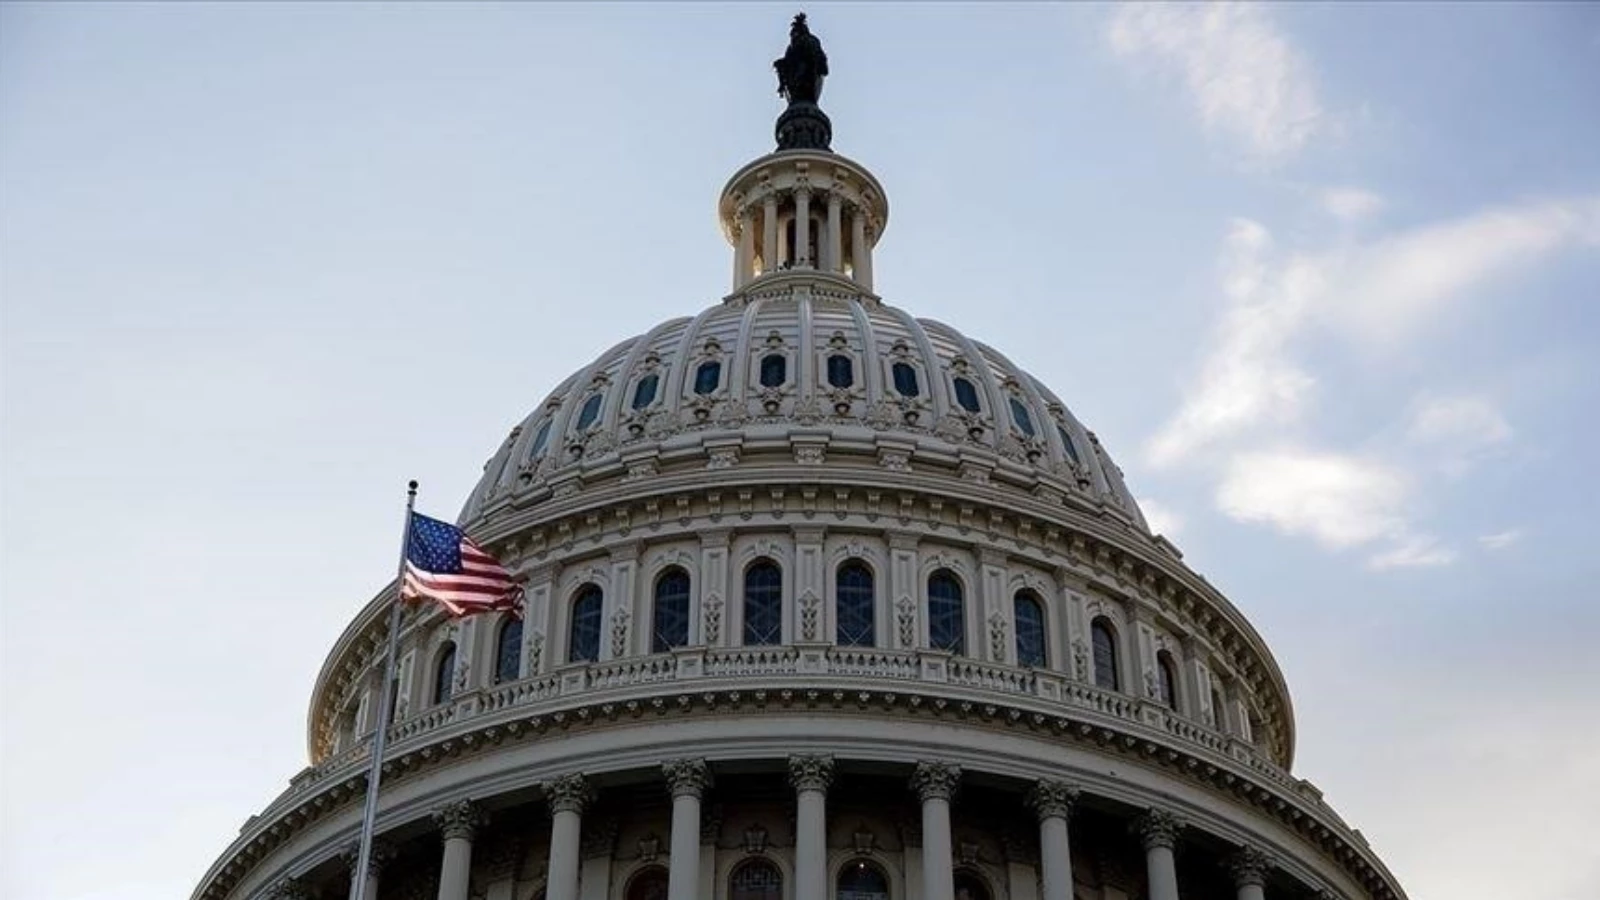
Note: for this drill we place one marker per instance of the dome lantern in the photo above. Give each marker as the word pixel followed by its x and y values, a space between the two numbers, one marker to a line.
pixel 803 209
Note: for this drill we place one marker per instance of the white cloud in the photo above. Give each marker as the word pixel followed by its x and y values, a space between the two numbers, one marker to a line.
pixel 1162 519
pixel 1468 421
pixel 1414 552
pixel 1500 540
pixel 1243 76
pixel 1349 203
pixel 1340 501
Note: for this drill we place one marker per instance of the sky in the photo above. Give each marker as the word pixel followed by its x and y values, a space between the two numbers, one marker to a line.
pixel 1323 278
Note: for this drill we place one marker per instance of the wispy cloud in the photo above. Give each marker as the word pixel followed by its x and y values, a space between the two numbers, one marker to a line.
pixel 1500 540
pixel 1413 552
pixel 1349 204
pixel 1162 519
pixel 1244 77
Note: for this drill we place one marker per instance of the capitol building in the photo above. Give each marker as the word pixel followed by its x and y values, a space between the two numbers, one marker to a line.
pixel 823 601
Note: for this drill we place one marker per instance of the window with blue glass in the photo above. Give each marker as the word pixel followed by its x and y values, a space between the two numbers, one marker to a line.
pixel 583 633
pixel 508 651
pixel 1019 414
pixel 644 393
pixel 946 620
pixel 856 605
pixel 540 439
pixel 707 377
pixel 590 412
pixel 967 394
pixel 905 379
pixel 444 674
pixel 1029 614
pixel 1104 640
pixel 841 371
pixel 774 370
pixel 670 619
pixel 1067 445
pixel 763 603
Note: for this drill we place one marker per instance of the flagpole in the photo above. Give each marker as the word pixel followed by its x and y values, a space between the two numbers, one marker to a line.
pixel 380 734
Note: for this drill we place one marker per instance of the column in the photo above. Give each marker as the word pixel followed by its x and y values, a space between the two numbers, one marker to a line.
pixel 811 776
pixel 1249 868
pixel 367 888
pixel 835 242
pixel 1159 830
pixel 457 824
pixel 687 780
pixel 769 233
pixel 567 796
pixel 802 228
pixel 744 259
pixel 935 784
pixel 1052 802
pixel 859 266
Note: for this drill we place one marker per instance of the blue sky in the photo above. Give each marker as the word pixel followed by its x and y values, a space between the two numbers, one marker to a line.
pixel 1322 277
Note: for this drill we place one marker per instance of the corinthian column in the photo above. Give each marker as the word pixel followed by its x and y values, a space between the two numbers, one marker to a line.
pixel 382 852
pixel 1052 801
pixel 802 228
pixel 1159 829
pixel 457 823
pixel 811 776
pixel 687 779
pixel 1249 868
pixel 567 796
pixel 935 784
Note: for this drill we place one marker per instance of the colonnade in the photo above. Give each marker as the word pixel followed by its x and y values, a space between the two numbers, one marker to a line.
pixel 776 252
pixel 935 784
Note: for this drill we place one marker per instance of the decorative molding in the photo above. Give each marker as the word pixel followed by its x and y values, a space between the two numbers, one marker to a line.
pixel 382 853
pixel 935 781
pixel 812 772
pixel 459 820
pixel 1158 828
pixel 1051 799
pixel 687 777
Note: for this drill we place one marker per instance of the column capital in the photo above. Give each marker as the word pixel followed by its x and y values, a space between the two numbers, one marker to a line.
pixel 811 772
pixel 382 852
pixel 1249 866
pixel 1051 799
pixel 1158 828
pixel 687 777
pixel 461 819
pixel 569 793
pixel 935 780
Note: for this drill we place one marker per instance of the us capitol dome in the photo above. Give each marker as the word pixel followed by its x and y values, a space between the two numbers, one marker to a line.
pixel 822 602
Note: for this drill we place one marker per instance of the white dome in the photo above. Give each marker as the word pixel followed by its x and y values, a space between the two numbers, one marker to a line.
pixel 813 358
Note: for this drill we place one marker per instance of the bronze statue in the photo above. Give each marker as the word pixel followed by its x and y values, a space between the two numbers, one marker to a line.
pixel 803 66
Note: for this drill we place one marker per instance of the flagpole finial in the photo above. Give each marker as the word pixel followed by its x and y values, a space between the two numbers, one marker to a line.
pixel 412 486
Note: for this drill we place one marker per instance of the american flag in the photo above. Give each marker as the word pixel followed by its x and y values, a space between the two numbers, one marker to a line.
pixel 445 566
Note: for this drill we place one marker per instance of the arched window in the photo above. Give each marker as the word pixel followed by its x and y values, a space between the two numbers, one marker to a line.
pixel 583 635
pixel 763 603
pixel 856 613
pixel 861 879
pixel 1067 445
pixel 1219 710
pixel 508 651
pixel 841 371
pixel 905 379
pixel 1105 655
pixel 590 411
pixel 946 625
pixel 647 884
pixel 644 393
pixel 971 886
pixel 540 440
pixel 1167 675
pixel 444 673
pixel 707 377
pixel 1019 414
pixel 774 370
pixel 1029 613
pixel 756 879
pixel 967 395
pixel 670 619
pixel 1257 737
